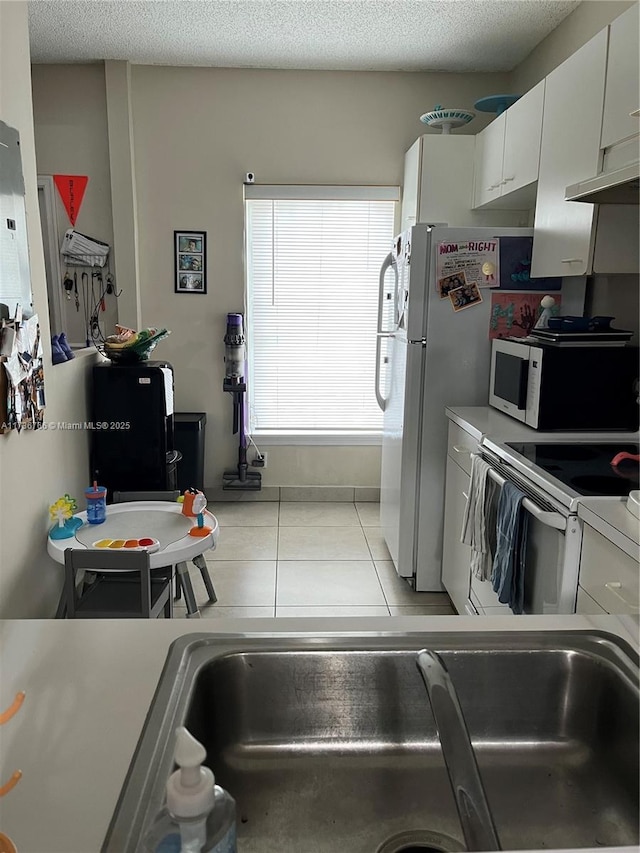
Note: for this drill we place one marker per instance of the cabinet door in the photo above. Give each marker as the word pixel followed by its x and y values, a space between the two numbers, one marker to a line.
pixel 586 606
pixel 456 557
pixel 622 92
pixel 569 152
pixel 608 574
pixel 488 161
pixel 523 132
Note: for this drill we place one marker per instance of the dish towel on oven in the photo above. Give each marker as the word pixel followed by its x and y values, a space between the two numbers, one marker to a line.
pixel 507 576
pixel 479 519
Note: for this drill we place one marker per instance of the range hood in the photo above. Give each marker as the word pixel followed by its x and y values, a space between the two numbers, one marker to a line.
pixel 619 186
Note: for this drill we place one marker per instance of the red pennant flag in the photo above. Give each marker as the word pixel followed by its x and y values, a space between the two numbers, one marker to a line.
pixel 71 189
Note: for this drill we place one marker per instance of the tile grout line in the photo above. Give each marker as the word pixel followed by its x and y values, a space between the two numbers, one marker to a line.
pixel 375 568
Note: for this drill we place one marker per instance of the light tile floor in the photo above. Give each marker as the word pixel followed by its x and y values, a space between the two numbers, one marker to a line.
pixel 305 559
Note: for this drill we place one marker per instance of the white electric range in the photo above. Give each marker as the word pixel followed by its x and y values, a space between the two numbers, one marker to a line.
pixel 557 476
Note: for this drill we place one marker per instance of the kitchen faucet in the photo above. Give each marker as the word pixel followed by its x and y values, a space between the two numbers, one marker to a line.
pixel 468 791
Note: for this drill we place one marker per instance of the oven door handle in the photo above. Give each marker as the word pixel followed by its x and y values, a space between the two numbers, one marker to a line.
pixel 551 519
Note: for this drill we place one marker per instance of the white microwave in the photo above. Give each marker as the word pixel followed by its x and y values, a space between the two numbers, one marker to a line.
pixel 551 387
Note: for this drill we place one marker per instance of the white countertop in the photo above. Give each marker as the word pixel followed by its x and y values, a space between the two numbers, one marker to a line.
pixel 485 420
pixel 89 685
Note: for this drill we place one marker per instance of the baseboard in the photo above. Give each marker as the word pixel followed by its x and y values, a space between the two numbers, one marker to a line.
pixel 335 494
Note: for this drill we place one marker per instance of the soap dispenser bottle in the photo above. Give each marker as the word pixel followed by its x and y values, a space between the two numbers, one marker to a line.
pixel 199 816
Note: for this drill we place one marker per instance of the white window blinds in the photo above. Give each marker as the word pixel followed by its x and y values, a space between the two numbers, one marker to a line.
pixel 313 256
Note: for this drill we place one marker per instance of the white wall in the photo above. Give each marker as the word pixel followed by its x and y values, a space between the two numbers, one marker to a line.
pixel 197 132
pixel 582 24
pixel 70 125
pixel 35 467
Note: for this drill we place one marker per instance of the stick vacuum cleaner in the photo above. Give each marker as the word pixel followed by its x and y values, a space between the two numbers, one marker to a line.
pixel 235 383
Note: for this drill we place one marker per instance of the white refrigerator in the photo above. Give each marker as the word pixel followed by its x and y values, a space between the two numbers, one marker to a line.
pixel 429 356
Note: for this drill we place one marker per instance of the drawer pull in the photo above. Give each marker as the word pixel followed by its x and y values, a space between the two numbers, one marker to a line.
pixel 571 260
pixel 614 587
pixel 635 114
pixel 464 451
pixel 465 496
pixel 506 180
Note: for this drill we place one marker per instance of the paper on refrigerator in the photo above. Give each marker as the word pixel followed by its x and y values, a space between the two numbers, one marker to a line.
pixel 470 262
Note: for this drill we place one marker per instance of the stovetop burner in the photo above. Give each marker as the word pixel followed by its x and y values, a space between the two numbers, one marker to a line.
pixel 585 468
pixel 566 452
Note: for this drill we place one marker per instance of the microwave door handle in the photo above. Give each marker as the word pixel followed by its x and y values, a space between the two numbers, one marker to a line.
pixel 551 519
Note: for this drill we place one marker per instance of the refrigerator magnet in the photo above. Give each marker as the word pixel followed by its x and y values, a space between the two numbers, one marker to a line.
pixel 465 296
pixel 450 282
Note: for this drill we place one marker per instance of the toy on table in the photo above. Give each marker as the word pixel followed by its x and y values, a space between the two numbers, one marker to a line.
pixel 146 543
pixel 194 504
pixel 546 303
pixel 63 511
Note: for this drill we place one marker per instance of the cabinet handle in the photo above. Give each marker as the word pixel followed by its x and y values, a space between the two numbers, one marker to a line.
pixel 465 496
pixel 635 114
pixel 614 586
pixel 493 187
pixel 571 261
pixel 464 451
pixel 506 180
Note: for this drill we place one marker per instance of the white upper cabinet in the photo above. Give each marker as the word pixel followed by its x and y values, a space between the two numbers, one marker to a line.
pixel 522 140
pixel 488 161
pixel 570 151
pixel 508 154
pixel 622 91
pixel 438 185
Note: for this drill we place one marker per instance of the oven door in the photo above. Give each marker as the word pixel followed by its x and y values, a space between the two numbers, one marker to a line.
pixel 513 388
pixel 552 554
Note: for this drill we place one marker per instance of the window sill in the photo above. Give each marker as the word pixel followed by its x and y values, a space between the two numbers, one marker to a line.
pixel 330 437
pixel 83 353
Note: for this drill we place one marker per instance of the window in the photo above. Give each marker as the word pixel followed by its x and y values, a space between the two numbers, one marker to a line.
pixel 313 257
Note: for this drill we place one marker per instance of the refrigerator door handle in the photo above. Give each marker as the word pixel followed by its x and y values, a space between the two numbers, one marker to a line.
pixel 388 262
pixel 382 333
pixel 381 400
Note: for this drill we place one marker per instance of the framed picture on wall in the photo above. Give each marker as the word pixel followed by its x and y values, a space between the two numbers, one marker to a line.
pixel 190 261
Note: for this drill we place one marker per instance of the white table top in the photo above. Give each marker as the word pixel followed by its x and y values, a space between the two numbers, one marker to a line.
pixel 162 520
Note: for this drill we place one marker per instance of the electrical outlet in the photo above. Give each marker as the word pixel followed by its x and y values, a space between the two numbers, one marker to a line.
pixel 260 461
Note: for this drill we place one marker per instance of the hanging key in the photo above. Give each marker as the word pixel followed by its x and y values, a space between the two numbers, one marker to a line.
pixel 68 286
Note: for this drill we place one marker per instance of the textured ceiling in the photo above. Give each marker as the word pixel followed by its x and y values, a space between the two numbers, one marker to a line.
pixel 383 35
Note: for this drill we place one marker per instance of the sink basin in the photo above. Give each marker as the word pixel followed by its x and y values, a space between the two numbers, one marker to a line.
pixel 328 743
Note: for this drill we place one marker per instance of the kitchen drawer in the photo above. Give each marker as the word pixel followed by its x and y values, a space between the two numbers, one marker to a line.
pixel 500 610
pixel 608 575
pixel 461 445
pixel 586 606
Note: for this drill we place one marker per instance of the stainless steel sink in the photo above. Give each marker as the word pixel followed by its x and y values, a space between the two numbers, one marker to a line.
pixel 328 743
